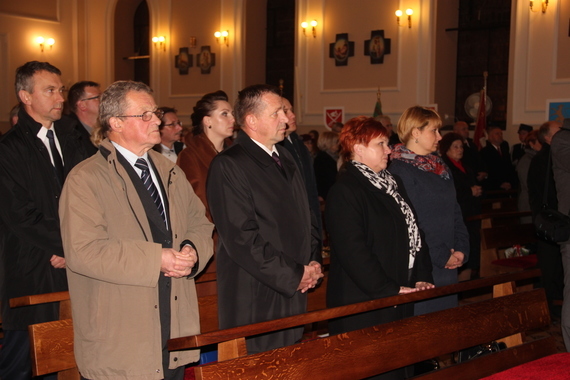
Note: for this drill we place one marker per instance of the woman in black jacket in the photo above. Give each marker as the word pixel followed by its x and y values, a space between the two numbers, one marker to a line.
pixel 376 247
pixel 468 196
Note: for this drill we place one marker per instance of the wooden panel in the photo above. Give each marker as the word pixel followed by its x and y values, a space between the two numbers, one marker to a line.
pixel 52 347
pixel 373 349
pixel 208 306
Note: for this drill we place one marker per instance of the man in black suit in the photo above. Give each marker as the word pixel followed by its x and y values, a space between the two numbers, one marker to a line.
pixel 497 161
pixel 83 99
pixel 35 157
pixel 293 143
pixel 518 149
pixel 268 252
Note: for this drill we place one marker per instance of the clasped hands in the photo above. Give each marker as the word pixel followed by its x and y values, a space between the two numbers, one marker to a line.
pixel 313 273
pixel 178 264
pixel 455 260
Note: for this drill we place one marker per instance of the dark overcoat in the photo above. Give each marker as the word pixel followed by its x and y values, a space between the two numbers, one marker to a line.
pixel 369 250
pixel 29 198
pixel 266 236
pixel 440 218
pixel 302 157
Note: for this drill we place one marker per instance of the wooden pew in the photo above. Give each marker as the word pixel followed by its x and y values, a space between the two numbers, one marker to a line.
pixel 495 239
pixel 52 342
pixel 416 338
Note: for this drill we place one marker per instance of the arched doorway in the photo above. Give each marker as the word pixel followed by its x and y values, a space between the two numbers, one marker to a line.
pixel 132 41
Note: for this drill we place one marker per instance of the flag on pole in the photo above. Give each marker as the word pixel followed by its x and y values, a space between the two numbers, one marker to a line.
pixel 378 107
pixel 481 124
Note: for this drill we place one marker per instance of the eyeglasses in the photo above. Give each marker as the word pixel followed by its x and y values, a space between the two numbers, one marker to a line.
pixel 173 124
pixel 147 116
pixel 91 98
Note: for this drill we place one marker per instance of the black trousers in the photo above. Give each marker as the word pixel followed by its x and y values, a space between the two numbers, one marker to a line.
pixel 15 362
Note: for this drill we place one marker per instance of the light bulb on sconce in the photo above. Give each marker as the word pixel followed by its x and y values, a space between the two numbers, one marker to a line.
pixel 305 25
pixel 409 12
pixel 160 42
pixel 43 41
pixel 543 4
pixel 225 34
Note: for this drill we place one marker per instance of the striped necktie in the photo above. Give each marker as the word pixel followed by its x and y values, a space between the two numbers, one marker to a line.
pixel 150 186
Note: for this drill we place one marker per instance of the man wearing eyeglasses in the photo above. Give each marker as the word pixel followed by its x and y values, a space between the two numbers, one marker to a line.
pixel 83 100
pixel 170 131
pixel 134 235
pixel 35 157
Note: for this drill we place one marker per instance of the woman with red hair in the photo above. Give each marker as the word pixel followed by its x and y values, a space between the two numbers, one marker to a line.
pixel 376 247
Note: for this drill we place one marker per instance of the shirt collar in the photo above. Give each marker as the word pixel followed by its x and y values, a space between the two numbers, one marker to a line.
pixel 269 152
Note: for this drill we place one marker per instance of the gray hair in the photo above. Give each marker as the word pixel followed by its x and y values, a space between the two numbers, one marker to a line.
pixel 113 103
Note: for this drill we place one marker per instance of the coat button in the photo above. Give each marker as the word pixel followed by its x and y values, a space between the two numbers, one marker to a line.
pixel 175 359
pixel 156 306
pixel 175 298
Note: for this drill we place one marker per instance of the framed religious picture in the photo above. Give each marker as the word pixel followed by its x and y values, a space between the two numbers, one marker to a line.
pixel 206 59
pixel 341 49
pixel 377 46
pixel 557 109
pixel 183 61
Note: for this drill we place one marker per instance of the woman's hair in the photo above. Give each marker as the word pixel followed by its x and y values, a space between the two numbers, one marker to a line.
pixel 204 107
pixel 327 140
pixel 446 141
pixel 532 137
pixel 416 117
pixel 359 130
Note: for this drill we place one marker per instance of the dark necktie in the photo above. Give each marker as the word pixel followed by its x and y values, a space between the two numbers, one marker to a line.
pixel 275 157
pixel 57 163
pixel 150 186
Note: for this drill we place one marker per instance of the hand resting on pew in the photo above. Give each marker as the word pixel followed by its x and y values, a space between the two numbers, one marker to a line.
pixel 420 285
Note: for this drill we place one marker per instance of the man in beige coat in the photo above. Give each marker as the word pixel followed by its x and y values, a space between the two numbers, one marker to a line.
pixel 134 236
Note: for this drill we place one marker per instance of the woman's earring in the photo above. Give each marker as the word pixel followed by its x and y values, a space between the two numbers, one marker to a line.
pixel 209 127
pixel 416 141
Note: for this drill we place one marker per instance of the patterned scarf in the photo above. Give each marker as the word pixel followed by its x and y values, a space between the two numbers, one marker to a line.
pixel 384 181
pixel 431 163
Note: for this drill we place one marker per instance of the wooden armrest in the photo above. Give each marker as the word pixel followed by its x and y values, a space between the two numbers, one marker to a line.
pixel 37 299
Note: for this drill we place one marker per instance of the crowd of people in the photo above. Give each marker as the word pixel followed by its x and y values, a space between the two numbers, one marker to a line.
pixel 123 205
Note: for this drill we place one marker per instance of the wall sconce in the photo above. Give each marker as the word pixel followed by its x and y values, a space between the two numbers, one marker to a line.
pixel 409 12
pixel 305 25
pixel 543 3
pixel 225 34
pixel 160 40
pixel 49 42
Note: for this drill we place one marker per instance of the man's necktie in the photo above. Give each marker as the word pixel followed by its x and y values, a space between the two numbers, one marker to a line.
pixel 150 186
pixel 275 157
pixel 57 163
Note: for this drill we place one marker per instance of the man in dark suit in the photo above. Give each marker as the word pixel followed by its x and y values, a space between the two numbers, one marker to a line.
pixel 497 161
pixel 470 151
pixel 293 143
pixel 268 251
pixel 35 157
pixel 83 100
pixel 518 149
pixel 135 235
pixel 560 149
